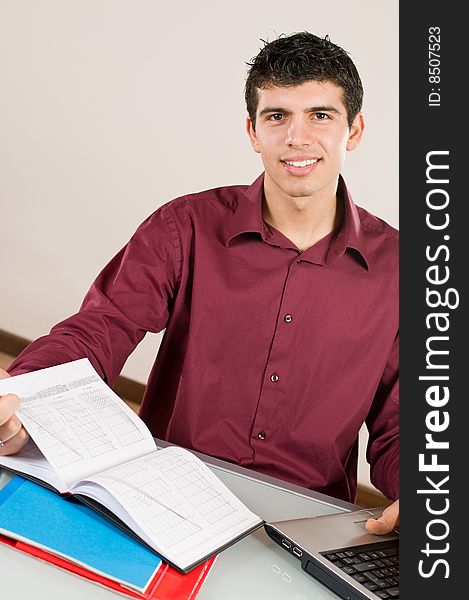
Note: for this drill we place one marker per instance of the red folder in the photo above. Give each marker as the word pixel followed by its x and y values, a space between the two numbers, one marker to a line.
pixel 168 584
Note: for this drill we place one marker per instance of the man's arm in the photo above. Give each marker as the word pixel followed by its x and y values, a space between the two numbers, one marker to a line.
pixel 383 443
pixel 129 297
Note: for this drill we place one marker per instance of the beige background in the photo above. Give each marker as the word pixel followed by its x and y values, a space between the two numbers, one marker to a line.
pixel 109 108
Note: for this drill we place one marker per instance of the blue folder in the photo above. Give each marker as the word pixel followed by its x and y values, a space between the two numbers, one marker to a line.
pixel 63 525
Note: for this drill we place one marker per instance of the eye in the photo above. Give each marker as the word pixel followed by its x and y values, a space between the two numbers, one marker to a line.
pixel 320 116
pixel 275 117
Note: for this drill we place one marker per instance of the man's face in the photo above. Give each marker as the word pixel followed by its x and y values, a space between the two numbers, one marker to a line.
pixel 302 135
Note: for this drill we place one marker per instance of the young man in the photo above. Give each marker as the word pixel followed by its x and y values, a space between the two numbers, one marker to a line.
pixel 279 299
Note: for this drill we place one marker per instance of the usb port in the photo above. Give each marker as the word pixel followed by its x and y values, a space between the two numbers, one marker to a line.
pixel 286 543
pixel 297 551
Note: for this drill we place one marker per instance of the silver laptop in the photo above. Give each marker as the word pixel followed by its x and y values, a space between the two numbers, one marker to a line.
pixel 339 552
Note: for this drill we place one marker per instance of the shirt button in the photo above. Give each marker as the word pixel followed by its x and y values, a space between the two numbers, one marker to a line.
pixel 287 318
pixel 274 378
pixel 261 435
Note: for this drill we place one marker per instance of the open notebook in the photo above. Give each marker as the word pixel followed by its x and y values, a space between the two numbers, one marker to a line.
pixel 87 443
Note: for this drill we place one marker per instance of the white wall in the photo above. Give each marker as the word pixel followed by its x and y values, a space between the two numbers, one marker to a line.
pixel 109 108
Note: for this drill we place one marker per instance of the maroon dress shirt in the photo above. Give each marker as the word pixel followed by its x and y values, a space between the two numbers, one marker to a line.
pixel 272 358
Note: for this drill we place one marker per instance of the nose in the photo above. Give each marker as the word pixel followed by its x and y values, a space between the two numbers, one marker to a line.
pixel 298 134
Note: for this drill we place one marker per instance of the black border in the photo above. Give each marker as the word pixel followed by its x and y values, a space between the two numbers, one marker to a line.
pixel 424 127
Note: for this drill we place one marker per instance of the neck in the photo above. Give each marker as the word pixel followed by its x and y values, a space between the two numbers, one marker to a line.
pixel 303 220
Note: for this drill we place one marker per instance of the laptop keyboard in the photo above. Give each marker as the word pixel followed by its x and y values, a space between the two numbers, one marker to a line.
pixel 375 566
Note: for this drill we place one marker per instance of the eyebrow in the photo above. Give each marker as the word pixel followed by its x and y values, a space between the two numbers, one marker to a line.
pixel 312 109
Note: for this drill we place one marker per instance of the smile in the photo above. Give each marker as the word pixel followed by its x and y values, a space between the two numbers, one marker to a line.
pixel 302 163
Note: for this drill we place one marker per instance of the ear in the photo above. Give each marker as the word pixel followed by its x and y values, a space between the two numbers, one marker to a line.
pixel 252 135
pixel 356 132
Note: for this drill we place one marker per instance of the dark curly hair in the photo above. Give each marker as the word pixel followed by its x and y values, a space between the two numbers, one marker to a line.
pixel 300 57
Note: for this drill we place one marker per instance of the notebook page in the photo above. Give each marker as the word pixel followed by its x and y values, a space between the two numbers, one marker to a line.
pixel 177 504
pixel 79 424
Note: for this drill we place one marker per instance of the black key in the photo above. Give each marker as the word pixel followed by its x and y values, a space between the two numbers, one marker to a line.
pixel 366 566
pixel 381 583
pixel 339 563
pixel 349 570
pixel 379 573
pixel 365 556
pixel 348 561
pixel 360 577
pixel 382 594
pixel 370 586
pixel 379 563
pixel 393 592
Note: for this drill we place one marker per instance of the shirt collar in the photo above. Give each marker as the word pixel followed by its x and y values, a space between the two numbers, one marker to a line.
pixel 247 218
pixel 350 235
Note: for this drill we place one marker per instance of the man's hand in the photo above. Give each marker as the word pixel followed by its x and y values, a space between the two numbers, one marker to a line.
pixel 386 522
pixel 13 435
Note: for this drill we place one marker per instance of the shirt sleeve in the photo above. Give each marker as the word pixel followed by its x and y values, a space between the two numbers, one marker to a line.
pixel 131 295
pixel 383 428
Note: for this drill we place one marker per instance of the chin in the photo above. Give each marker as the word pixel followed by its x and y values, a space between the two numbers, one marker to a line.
pixel 299 191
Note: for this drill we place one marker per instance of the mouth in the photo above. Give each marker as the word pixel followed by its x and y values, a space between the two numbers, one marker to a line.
pixel 302 166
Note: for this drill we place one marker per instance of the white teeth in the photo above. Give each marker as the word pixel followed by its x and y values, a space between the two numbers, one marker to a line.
pixel 302 163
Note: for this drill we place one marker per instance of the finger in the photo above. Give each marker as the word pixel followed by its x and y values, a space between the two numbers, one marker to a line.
pixel 9 429
pixel 9 404
pixel 4 374
pixel 378 526
pixel 15 444
pixel 386 522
